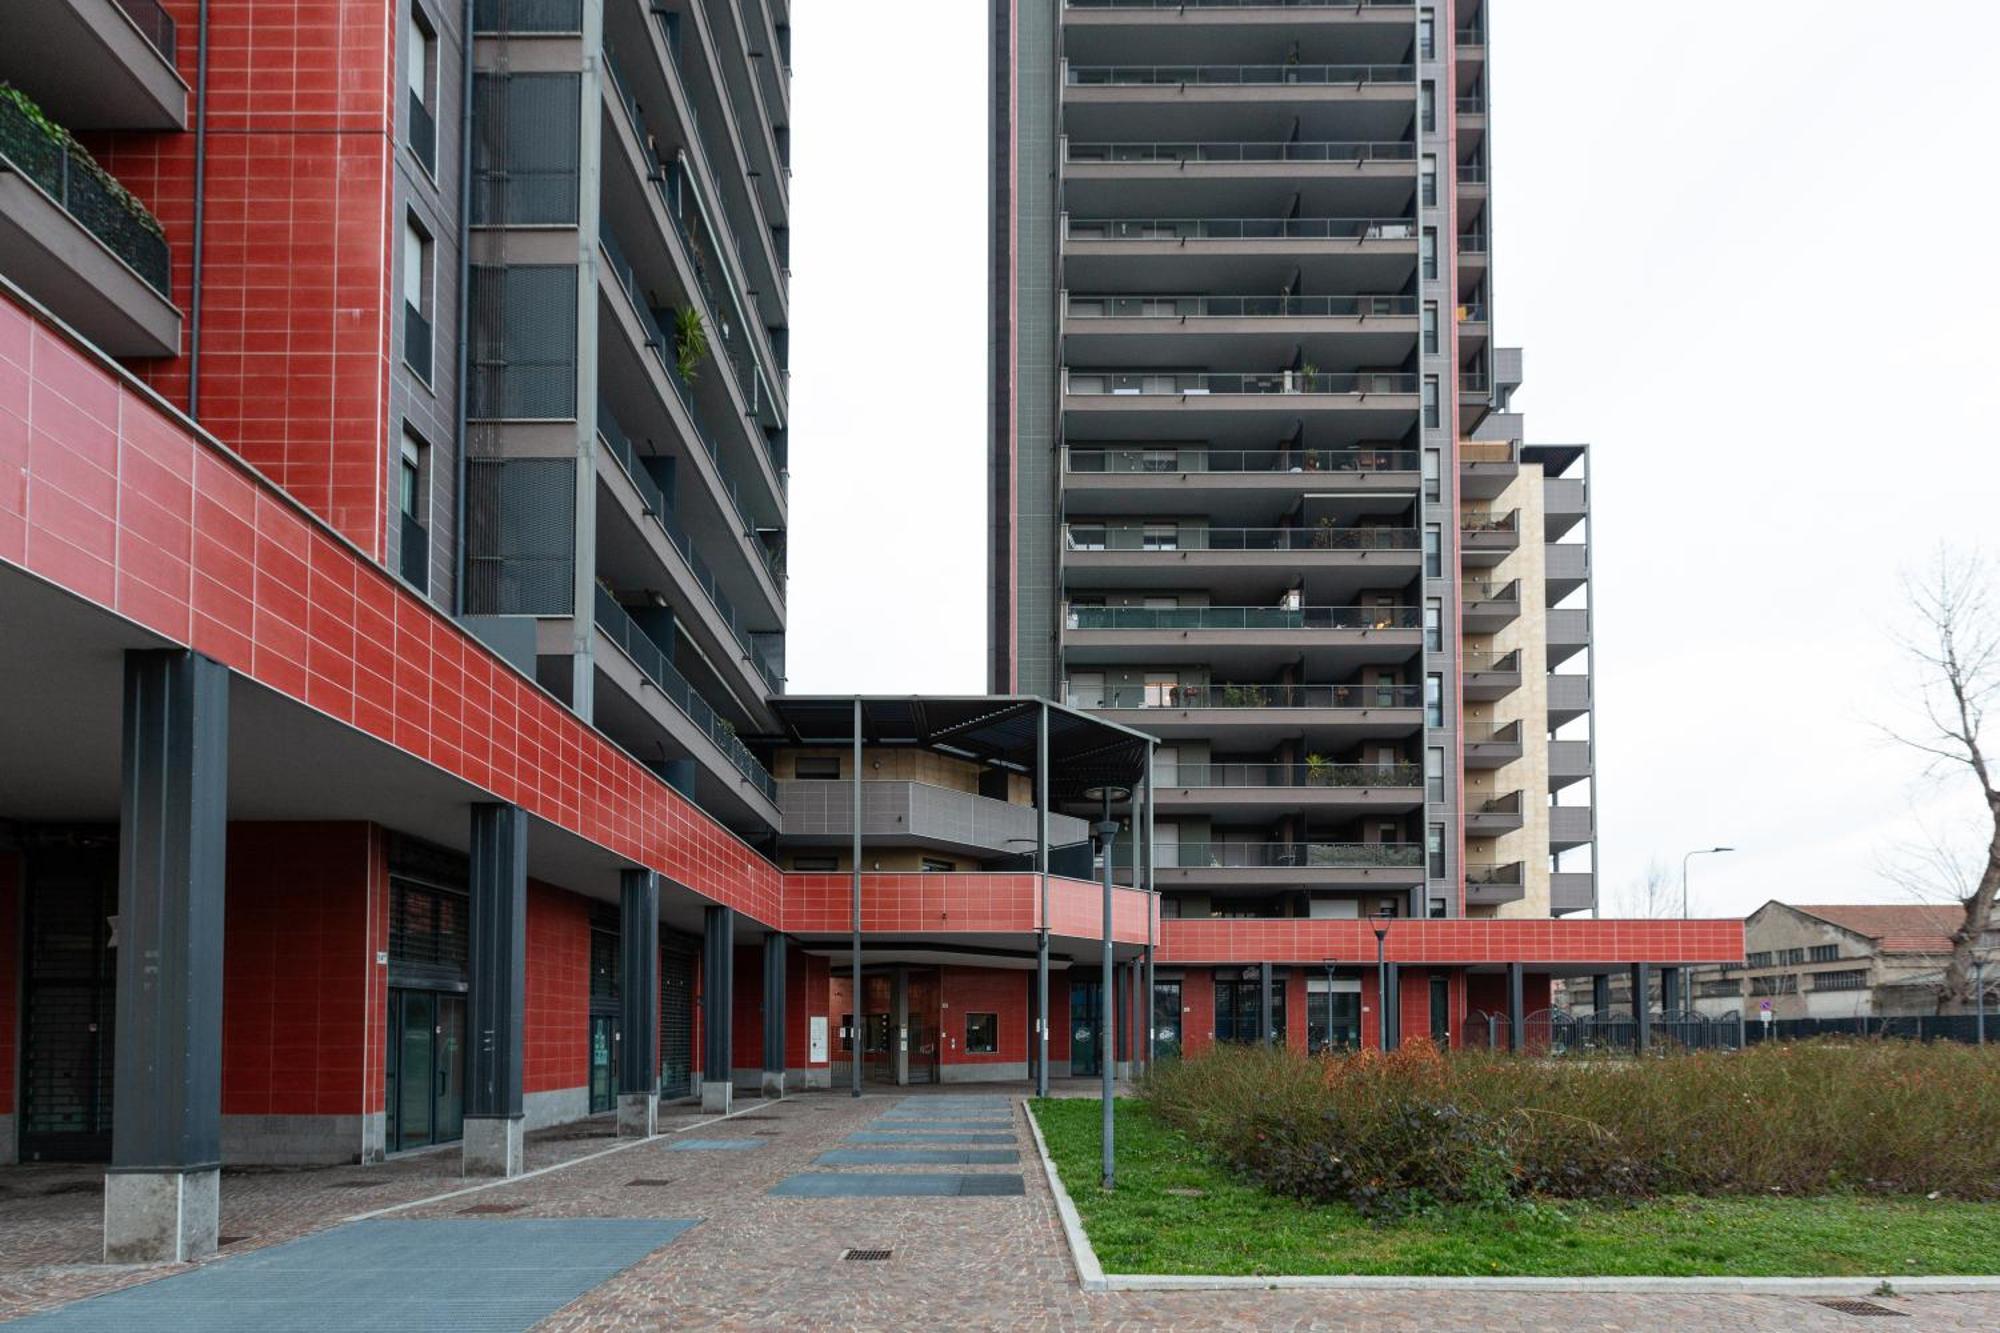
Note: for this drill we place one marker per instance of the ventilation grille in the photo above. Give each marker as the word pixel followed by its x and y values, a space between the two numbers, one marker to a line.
pixel 1864 1308
pixel 866 1256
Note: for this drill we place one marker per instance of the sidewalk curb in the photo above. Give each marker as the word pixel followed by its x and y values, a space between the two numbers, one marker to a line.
pixel 1092 1277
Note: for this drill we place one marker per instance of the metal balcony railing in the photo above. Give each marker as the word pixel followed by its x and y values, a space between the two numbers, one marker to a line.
pixel 652 662
pixel 1242 229
pixel 1217 695
pixel 46 155
pixel 1097 537
pixel 1327 775
pixel 1471 173
pixel 1471 106
pixel 151 19
pixel 1240 307
pixel 1238 75
pixel 1177 458
pixel 1471 245
pixel 1288 855
pixel 1243 617
pixel 1349 384
pixel 1326 150
pixel 423 132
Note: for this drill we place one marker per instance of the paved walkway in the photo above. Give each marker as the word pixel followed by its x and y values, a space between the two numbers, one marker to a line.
pixel 761 1258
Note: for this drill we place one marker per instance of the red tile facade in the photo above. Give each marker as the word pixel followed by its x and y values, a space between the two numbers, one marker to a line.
pixel 555 1048
pixel 1301 940
pixel 967 990
pixel 297 266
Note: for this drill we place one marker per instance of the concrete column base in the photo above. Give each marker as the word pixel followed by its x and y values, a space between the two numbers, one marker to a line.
pixel 494 1146
pixel 773 1083
pixel 717 1098
pixel 161 1217
pixel 638 1115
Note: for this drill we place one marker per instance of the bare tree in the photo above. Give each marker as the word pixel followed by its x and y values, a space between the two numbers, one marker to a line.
pixel 1956 646
pixel 1653 895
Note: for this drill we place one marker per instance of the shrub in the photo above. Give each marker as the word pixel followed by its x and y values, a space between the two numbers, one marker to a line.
pixel 1392 1133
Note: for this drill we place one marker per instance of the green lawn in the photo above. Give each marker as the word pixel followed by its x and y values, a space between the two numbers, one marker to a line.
pixel 1232 1228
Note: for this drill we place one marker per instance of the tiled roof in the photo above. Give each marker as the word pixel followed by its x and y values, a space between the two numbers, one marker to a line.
pixel 1902 928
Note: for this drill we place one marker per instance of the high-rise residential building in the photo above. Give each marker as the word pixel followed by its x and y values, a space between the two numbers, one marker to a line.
pixel 1256 484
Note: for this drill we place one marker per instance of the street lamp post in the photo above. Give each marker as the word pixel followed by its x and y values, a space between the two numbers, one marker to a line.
pixel 1382 983
pixel 1326 1034
pixel 1107 838
pixel 1700 851
pixel 1978 1000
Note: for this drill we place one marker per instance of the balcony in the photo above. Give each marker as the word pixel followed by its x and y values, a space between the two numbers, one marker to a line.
pixel 1273 790
pixel 1487 677
pixel 1565 568
pixel 76 241
pixel 1288 864
pixel 1182 77
pixel 1569 762
pixel 1492 747
pixel 96 64
pixel 1565 503
pixel 1489 885
pixel 1084 539
pixel 1495 815
pixel 1487 608
pixel 1570 826
pixel 1486 468
pixel 1344 152
pixel 1568 633
pixel 1156 391
pixel 1572 891
pixel 916 814
pixel 1486 538
pixel 1244 619
pixel 1257 715
pixel 1158 479
pixel 1568 697
pixel 1177 231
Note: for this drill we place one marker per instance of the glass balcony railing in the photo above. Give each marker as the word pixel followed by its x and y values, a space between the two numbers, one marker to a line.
pixel 1281 856
pixel 1242 229
pixel 1483 875
pixel 1216 695
pixel 152 19
pixel 1471 106
pixel 1243 617
pixel 1180 458
pixel 1088 537
pixel 1485 733
pixel 1308 774
pixel 1471 245
pixel 1471 173
pixel 1240 307
pixel 1346 384
pixel 621 629
pixel 1473 381
pixel 46 154
pixel 1472 312
pixel 1479 664
pixel 1238 4
pixel 1328 150
pixel 1085 76
pixel 1470 36
pixel 1483 521
pixel 1490 592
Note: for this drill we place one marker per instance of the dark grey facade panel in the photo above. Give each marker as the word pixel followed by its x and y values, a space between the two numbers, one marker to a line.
pixel 525 153
pixel 524 342
pixel 1037 590
pixel 520 536
pixel 498 996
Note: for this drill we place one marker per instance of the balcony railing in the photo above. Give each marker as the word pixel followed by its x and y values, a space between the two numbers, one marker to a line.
pixel 1243 617
pixel 1087 537
pixel 622 630
pixel 1472 312
pixel 46 155
pixel 1176 458
pixel 418 345
pixel 1327 150
pixel 150 18
pixel 669 523
pixel 525 16
pixel 1490 592
pixel 423 132
pixel 1485 663
pixel 1471 245
pixel 1480 875
pixel 1242 229
pixel 1488 451
pixel 1240 307
pixel 1348 776
pixel 1485 733
pixel 1288 855
pixel 1471 173
pixel 1233 75
pixel 1471 106
pixel 1490 522
pixel 1217 695
pixel 1474 381
pixel 1238 4
pixel 1346 384
pixel 1470 36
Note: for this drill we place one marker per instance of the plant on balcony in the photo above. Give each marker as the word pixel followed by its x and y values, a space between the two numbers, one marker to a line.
pixel 1323 534
pixel 690 342
pixel 36 162
pixel 1320 771
pixel 1243 696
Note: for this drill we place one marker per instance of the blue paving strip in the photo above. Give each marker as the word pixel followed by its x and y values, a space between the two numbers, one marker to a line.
pixel 389 1275
pixel 903 1122
pixel 906 1184
pixel 714 1145
pixel 913 1136
pixel 918 1157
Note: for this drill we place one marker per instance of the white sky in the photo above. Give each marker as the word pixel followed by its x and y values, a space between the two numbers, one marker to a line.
pixel 1738 241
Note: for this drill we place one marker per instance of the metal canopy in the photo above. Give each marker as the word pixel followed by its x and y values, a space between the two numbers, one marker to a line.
pixel 1000 730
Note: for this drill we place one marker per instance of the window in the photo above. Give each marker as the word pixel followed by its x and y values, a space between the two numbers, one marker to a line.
pixel 1434 775
pixel 1762 959
pixel 1427 107
pixel 410 481
pixel 1434 700
pixel 1433 475
pixel 1427 253
pixel 819 863
pixel 1437 914
pixel 1430 328
pixel 413 532
pixel 1785 983
pixel 1162 688
pixel 417 293
pixel 1433 410
pixel 1825 953
pixel 1433 551
pixel 847 1032
pixel 1086 536
pixel 1427 34
pixel 1434 851
pixel 937 865
pixel 1854 980
pixel 1162 536
pixel 1427 181
pixel 1434 625
pixel 421 131
pixel 982 1034
pixel 816 768
pixel 1792 957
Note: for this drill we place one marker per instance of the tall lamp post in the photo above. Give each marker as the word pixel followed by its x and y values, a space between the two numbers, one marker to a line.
pixel 1107 838
pixel 1700 851
pixel 1381 982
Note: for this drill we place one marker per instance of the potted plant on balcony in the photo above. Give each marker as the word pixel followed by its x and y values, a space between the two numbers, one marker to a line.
pixel 690 342
pixel 1319 771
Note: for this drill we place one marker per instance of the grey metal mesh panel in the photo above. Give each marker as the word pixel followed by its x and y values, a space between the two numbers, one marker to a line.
pixel 524 155
pixel 1039 383
pixel 520 536
pixel 524 343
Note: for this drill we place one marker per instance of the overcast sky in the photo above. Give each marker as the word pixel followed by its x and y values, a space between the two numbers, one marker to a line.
pixel 1738 241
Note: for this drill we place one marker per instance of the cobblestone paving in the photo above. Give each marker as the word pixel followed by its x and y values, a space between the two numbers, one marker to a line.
pixel 763 1262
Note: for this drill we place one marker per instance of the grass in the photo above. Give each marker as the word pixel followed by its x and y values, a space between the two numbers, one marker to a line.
pixel 1234 1228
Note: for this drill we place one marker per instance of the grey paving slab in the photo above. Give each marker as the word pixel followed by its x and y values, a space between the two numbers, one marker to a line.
pixel 862 1185
pixel 713 1145
pixel 918 1157
pixel 912 1122
pixel 459 1276
pixel 916 1136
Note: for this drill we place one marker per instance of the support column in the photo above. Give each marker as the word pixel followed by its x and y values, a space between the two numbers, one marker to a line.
pixel 1264 1003
pixel 718 990
pixel 1600 996
pixel 1152 1019
pixel 162 1195
pixel 1392 1006
pixel 1642 1006
pixel 1041 1049
pixel 857 1055
pixel 638 1003
pixel 774 1015
pixel 1517 1017
pixel 1671 999
pixel 899 1010
pixel 496 1002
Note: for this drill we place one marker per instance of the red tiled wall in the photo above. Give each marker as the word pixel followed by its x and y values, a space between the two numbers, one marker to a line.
pixel 807 992
pixel 1198 1010
pixel 1414 984
pixel 298 265
pixel 303 998
pixel 1059 1033
pixel 1422 942
pixel 10 972
pixel 1295 1009
pixel 984 990
pixel 556 1036
pixel 746 1038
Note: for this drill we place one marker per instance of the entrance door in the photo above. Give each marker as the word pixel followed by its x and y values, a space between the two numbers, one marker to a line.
pixel 1239 1011
pixel 1333 1014
pixel 1166 1020
pixel 426 1068
pixel 677 955
pixel 1086 1028
pixel 68 993
pixel 922 997
pixel 1440 1009
pixel 603 1062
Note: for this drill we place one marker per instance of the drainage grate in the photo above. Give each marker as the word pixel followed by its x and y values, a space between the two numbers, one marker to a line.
pixel 488 1209
pixel 1864 1308
pixel 866 1256
pixel 648 1182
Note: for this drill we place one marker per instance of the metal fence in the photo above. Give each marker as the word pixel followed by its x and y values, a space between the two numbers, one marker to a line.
pixel 1927 1027
pixel 1559 1033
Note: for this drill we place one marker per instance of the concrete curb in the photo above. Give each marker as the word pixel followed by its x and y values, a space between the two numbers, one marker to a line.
pixel 1092 1277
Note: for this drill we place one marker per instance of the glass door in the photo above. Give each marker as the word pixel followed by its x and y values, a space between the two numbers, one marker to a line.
pixel 1333 1016
pixel 413 1069
pixel 603 1062
pixel 1440 1009
pixel 1166 1020
pixel 1086 1036
pixel 448 1115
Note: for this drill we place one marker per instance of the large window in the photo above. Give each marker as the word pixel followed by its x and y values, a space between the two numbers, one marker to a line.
pixel 1428 181
pixel 418 305
pixel 1856 979
pixel 1431 342
pixel 1333 1013
pixel 421 130
pixel 1433 405
pixel 1428 252
pixel 982 1034
pixel 1434 701
pixel 1239 1011
pixel 1433 551
pixel 1825 953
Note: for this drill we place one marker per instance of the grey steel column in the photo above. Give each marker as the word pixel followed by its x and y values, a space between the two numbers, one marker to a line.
pixel 1042 934
pixel 162 1195
pixel 496 1001
pixel 1264 1003
pixel 638 1002
pixel 774 1015
pixel 1671 1000
pixel 718 990
pixel 1392 1006
pixel 1152 856
pixel 1108 1045
pixel 899 1022
pixel 1642 1006
pixel 1516 1006
pixel 860 1019
pixel 1600 996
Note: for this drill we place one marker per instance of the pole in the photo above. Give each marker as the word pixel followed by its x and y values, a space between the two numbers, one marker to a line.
pixel 1109 1046
pixel 1381 989
pixel 1145 835
pixel 1979 1000
pixel 860 1025
pixel 1042 873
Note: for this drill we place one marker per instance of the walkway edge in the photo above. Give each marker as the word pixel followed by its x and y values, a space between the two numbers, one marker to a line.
pixel 1092 1277
pixel 1089 1273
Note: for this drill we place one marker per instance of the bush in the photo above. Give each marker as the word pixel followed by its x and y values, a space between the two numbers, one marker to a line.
pixel 1392 1133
